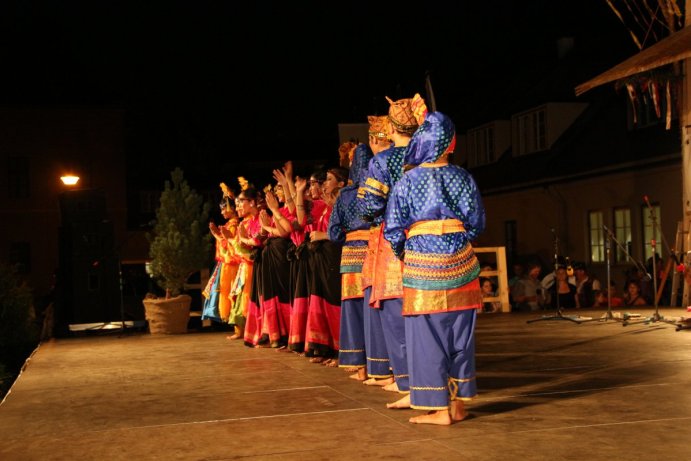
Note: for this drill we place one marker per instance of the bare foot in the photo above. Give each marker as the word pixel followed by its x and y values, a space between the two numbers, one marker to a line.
pixel 316 359
pixel 378 382
pixel 401 403
pixel 282 349
pixel 393 387
pixel 457 411
pixel 351 369
pixel 239 333
pixel 331 363
pixel 361 374
pixel 262 346
pixel 438 417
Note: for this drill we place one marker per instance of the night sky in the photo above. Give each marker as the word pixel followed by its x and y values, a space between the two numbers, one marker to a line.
pixel 217 82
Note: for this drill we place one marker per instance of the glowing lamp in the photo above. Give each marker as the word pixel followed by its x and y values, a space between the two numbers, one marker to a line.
pixel 69 180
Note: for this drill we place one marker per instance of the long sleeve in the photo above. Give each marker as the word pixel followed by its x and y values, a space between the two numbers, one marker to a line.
pixel 385 170
pixel 336 228
pixel 397 219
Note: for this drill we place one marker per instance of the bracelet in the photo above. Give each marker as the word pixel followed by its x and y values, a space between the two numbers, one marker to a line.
pixel 300 206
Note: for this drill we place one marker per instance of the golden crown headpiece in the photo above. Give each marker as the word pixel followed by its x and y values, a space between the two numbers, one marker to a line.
pixel 378 126
pixel 401 115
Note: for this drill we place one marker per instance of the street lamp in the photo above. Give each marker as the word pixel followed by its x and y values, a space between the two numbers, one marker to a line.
pixel 69 179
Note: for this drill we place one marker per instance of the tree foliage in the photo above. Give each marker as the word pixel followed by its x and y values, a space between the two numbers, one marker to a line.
pixel 180 244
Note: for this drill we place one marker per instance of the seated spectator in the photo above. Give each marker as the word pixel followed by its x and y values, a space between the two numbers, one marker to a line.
pixel 586 285
pixel 548 280
pixel 518 273
pixel 488 291
pixel 562 294
pixel 633 296
pixel 528 294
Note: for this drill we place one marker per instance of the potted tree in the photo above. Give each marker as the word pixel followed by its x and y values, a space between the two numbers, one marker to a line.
pixel 179 246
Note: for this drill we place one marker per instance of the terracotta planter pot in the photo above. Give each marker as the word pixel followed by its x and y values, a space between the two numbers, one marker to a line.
pixel 168 316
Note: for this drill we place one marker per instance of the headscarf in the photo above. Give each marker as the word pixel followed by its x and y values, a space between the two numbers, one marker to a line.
pixel 435 137
pixel 360 164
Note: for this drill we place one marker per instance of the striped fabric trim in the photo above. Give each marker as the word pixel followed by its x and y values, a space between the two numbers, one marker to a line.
pixel 352 258
pixel 374 185
pixel 438 271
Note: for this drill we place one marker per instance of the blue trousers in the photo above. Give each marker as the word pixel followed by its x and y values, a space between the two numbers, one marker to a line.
pixel 441 358
pixel 394 335
pixel 352 334
pixel 375 344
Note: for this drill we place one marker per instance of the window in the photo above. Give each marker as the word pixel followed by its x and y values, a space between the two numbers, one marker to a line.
pixel 650 217
pixel 531 130
pixel 622 232
pixel 596 234
pixel 481 146
pixel 18 177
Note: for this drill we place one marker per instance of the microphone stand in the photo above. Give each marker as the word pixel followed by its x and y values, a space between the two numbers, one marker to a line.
pixel 558 313
pixel 608 244
pixel 656 317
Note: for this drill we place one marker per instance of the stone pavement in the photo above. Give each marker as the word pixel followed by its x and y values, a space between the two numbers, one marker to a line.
pixel 551 390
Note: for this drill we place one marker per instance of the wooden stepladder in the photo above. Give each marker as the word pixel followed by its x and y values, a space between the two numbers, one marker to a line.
pixel 500 275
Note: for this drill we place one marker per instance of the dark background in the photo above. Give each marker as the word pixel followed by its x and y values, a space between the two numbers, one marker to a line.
pixel 213 86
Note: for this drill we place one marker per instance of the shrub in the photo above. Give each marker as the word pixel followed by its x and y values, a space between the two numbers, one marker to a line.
pixel 181 243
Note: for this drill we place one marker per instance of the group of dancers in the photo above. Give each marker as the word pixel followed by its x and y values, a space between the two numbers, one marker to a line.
pixel 369 268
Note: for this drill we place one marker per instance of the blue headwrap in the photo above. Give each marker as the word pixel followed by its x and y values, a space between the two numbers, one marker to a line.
pixel 358 168
pixel 431 140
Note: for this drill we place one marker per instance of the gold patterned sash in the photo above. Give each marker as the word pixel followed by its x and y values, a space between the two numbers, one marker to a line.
pixel 357 235
pixel 436 227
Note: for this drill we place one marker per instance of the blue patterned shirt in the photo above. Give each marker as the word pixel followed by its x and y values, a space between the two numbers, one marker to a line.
pixel 435 192
pixel 385 170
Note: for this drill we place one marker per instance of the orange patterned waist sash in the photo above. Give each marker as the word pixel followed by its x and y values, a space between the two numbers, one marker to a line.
pixel 436 227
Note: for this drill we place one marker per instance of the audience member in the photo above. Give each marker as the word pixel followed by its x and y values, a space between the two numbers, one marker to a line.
pixel 528 294
pixel 633 296
pixel 586 285
pixel 562 294
pixel 488 291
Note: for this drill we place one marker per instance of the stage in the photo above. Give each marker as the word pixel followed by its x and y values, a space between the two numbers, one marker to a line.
pixel 550 390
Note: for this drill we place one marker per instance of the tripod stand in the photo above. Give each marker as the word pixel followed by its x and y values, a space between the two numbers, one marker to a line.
pixel 558 315
pixel 608 244
pixel 656 317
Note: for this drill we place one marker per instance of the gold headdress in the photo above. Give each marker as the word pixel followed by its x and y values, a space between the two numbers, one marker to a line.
pixel 419 108
pixel 345 153
pixel 228 197
pixel 378 126
pixel 244 184
pixel 401 115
